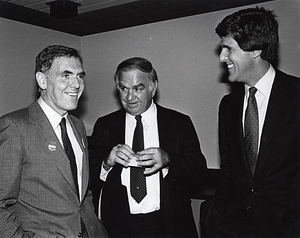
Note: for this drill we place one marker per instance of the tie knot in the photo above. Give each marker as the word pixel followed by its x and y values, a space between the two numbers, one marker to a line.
pixel 252 91
pixel 138 118
pixel 63 123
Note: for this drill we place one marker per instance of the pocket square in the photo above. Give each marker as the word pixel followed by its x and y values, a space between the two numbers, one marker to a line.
pixel 52 146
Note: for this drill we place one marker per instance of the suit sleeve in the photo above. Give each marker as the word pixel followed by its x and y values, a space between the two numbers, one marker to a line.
pixel 187 163
pixel 11 173
pixel 212 215
pixel 98 150
pixel 224 154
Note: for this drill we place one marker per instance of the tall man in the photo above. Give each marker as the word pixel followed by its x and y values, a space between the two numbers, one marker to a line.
pixel 170 159
pixel 43 155
pixel 259 137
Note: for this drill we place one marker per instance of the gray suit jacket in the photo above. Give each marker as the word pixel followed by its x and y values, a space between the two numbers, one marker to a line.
pixel 37 191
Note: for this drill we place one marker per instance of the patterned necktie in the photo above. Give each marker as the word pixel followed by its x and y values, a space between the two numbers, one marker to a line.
pixel 69 151
pixel 251 130
pixel 138 188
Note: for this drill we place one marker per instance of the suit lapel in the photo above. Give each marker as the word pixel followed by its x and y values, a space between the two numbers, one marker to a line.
pixel 50 143
pixel 274 118
pixel 165 132
pixel 236 128
pixel 80 135
pixel 165 129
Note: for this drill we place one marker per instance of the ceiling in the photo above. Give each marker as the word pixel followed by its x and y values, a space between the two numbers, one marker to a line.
pixel 96 16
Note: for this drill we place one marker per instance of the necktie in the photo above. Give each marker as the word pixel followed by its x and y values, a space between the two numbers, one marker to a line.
pixel 69 151
pixel 138 188
pixel 251 130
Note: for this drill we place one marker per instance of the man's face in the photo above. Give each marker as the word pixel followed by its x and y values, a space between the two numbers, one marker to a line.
pixel 136 91
pixel 240 63
pixel 63 84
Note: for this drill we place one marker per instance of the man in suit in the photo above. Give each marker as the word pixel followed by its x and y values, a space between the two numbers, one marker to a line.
pixel 259 192
pixel 173 162
pixel 40 195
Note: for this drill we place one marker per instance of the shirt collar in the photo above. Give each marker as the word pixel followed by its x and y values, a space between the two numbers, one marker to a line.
pixel 52 115
pixel 264 85
pixel 147 116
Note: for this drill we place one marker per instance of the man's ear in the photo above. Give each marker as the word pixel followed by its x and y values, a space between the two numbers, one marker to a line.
pixel 256 53
pixel 41 80
pixel 155 85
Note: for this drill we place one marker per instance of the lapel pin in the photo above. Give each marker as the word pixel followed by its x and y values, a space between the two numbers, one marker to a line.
pixel 52 146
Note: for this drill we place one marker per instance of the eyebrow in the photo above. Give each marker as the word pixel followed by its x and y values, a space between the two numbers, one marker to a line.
pixel 134 86
pixel 70 72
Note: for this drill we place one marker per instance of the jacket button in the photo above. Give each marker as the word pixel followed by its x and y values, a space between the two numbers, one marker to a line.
pixel 249 209
pixel 253 191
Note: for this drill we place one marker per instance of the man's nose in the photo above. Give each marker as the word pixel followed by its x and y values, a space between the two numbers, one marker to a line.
pixel 130 94
pixel 75 82
pixel 223 56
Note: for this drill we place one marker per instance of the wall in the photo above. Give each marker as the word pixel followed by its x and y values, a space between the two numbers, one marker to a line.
pixel 182 50
pixel 184 53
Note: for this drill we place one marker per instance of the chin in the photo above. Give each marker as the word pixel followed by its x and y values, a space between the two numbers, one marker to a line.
pixel 232 79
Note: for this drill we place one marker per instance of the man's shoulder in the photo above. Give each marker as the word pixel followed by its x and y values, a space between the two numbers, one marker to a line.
pixel 170 113
pixel 286 85
pixel 168 110
pixel 20 114
pixel 112 118
pixel 281 74
pixel 114 114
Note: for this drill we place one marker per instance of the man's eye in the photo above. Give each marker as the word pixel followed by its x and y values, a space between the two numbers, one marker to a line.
pixel 122 88
pixel 139 89
pixel 81 76
pixel 67 76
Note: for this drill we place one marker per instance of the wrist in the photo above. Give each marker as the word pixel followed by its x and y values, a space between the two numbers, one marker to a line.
pixel 106 166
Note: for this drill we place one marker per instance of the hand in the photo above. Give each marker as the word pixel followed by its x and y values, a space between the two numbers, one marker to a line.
pixel 153 159
pixel 120 154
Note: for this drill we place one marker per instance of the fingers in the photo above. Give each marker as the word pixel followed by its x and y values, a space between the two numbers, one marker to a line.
pixel 153 159
pixel 120 154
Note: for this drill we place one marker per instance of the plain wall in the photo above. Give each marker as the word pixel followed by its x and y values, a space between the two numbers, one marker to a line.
pixel 183 51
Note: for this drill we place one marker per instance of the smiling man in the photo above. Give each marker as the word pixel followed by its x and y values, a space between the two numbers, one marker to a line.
pixel 170 161
pixel 259 136
pixel 44 160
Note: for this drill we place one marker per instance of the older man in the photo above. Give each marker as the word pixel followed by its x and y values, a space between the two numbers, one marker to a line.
pixel 145 143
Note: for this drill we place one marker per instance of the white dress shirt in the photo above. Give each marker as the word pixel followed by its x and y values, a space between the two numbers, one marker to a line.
pixel 55 119
pixel 151 202
pixel 151 139
pixel 264 86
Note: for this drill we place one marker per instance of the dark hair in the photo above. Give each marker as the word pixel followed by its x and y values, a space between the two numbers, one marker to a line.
pixel 136 63
pixel 45 58
pixel 253 29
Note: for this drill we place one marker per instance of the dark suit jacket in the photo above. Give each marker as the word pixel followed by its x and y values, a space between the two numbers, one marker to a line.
pixel 178 138
pixel 38 194
pixel 273 194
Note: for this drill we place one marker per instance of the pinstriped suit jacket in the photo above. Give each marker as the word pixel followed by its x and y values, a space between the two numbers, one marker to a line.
pixel 37 191
pixel 273 194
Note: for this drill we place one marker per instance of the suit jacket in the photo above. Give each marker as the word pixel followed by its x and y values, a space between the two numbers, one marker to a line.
pixel 273 194
pixel 178 138
pixel 38 195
